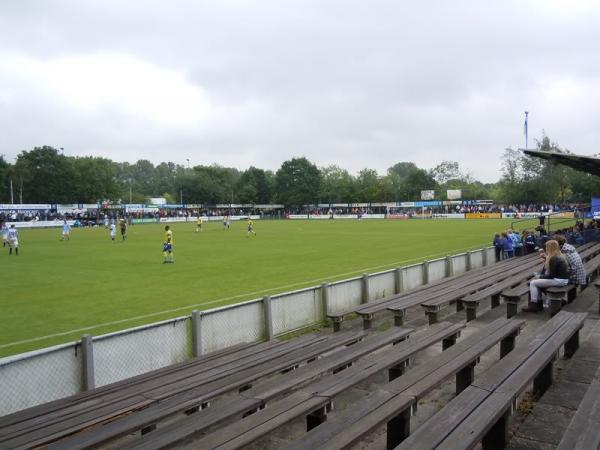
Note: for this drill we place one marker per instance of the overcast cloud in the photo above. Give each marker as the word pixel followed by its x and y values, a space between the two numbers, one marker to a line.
pixel 353 83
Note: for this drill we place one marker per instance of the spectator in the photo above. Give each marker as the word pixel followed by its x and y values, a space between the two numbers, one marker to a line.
pixel 577 273
pixel 497 243
pixel 556 273
pixel 529 242
pixel 517 243
pixel 507 246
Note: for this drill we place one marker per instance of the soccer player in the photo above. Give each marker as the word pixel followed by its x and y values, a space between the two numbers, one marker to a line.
pixel 199 223
pixel 13 240
pixel 168 246
pixel 226 222
pixel 4 234
pixel 66 231
pixel 250 228
pixel 123 226
pixel 113 231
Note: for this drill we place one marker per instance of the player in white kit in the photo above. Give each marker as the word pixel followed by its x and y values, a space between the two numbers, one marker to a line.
pixel 66 231
pixel 13 240
pixel 4 234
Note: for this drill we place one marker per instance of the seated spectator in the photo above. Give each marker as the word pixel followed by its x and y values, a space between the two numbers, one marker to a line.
pixel 577 273
pixel 556 273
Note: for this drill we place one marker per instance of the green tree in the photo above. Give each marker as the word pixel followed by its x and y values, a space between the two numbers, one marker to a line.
pixel 43 175
pixel 403 169
pixel 337 185
pixel 446 171
pixel 255 186
pixel 406 181
pixel 367 186
pixel 206 184
pixel 5 169
pixel 298 182
pixel 94 180
pixel 417 181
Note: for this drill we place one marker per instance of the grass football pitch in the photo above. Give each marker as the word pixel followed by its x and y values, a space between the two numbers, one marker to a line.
pixel 55 291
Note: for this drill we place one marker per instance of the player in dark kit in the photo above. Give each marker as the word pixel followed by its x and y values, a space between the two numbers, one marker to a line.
pixel 123 227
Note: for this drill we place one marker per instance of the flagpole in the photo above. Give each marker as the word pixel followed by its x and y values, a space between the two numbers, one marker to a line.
pixel 526 140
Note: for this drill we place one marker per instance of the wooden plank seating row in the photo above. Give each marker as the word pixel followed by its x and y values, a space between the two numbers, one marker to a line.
pixel 154 414
pixel 515 287
pixel 452 290
pixel 519 282
pixel 315 399
pixel 55 405
pixel 477 290
pixel 481 412
pixel 559 295
pixel 414 296
pixel 583 432
pixel 336 368
pixel 471 302
pixel 186 387
pixel 392 403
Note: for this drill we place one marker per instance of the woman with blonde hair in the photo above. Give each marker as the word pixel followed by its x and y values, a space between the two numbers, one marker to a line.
pixel 556 274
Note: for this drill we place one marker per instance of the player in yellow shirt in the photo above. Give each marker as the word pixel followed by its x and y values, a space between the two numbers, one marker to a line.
pixel 168 246
pixel 250 227
pixel 199 223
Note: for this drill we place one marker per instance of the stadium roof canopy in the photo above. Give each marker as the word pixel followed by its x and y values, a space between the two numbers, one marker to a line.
pixel 587 164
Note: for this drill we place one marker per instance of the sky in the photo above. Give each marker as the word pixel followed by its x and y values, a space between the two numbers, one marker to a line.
pixel 254 83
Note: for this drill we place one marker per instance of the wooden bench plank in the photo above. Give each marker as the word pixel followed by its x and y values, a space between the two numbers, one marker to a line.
pixel 496 374
pixel 414 297
pixel 486 281
pixel 348 429
pixel 324 390
pixel 477 425
pixel 416 342
pixel 115 392
pixel 269 388
pixel 438 428
pixel 242 433
pixel 77 408
pixel 421 381
pixel 213 382
pixel 500 385
pixel 398 353
pixel 354 430
pixel 95 394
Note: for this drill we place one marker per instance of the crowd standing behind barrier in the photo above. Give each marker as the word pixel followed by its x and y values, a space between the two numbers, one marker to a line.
pixel 98 214
pixel 510 243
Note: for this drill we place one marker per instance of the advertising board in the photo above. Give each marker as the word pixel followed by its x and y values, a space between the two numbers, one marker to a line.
pixel 449 216
pixel 427 195
pixel 453 194
pixel 483 216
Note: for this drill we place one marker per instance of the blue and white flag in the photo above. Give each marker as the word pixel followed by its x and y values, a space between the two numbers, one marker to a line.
pixel 525 128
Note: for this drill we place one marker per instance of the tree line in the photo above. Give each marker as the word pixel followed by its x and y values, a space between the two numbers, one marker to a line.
pixel 44 175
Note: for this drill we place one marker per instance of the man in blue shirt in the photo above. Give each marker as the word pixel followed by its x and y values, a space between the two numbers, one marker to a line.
pixel 507 246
